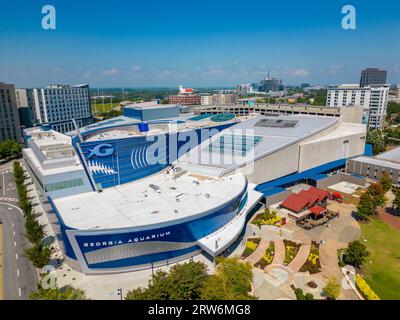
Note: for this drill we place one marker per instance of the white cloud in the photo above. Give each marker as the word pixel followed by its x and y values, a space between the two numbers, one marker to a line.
pixel 300 72
pixel 111 72
pixel 87 74
pixel 57 71
pixel 333 69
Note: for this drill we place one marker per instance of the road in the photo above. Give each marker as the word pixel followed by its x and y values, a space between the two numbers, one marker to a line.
pixel 19 276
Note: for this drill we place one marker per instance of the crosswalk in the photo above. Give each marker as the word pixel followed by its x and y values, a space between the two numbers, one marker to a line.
pixel 8 199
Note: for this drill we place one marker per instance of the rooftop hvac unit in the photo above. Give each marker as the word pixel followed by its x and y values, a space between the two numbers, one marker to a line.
pixel 143 127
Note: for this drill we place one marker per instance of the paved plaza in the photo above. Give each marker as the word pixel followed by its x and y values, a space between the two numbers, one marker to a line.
pixel 274 282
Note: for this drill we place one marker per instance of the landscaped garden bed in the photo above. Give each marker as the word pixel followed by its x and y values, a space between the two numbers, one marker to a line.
pixel 267 218
pixel 291 249
pixel 312 284
pixel 251 246
pixel 267 257
pixel 300 294
pixel 312 265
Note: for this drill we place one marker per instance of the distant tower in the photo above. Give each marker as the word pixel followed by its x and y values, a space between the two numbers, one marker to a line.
pixel 372 76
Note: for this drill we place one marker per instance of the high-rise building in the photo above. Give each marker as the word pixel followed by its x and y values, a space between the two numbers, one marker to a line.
pixel 58 105
pixel 373 99
pixel 244 88
pixel 373 76
pixel 10 127
pixel 206 100
pixel 219 98
pixel 191 99
pixel 186 96
pixel 271 85
pixel 26 112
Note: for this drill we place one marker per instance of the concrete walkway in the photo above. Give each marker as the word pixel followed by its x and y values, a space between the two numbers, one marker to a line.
pixel 279 255
pixel 300 258
pixel 258 253
pixel 329 259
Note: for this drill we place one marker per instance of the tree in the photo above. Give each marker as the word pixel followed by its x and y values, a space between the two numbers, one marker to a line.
pixel 187 280
pixel 319 97
pixel 26 206
pixel 355 253
pixel 232 281
pixel 393 107
pixel 9 149
pixel 18 173
pixel 22 192
pixel 375 138
pixel 33 229
pixel 332 288
pixel 365 206
pixel 386 181
pixel 183 282
pixel 301 296
pixel 159 288
pixel 64 293
pixel 378 194
pixel 396 201
pixel 39 255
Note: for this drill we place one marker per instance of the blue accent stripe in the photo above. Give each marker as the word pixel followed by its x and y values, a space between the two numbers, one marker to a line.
pixel 307 174
pixel 63 227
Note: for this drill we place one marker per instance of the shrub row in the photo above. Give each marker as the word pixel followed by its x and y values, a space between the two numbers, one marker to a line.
pixel 365 289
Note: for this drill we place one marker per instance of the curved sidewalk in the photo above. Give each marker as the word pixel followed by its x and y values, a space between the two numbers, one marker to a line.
pixel 258 253
pixel 279 254
pixel 300 258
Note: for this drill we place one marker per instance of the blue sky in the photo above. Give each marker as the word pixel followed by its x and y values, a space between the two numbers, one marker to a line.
pixel 196 43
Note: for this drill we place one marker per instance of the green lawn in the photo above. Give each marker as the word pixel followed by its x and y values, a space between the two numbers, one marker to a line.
pixel 106 108
pixel 383 243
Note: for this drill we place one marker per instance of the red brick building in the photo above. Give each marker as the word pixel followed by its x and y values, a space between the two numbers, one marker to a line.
pixel 187 99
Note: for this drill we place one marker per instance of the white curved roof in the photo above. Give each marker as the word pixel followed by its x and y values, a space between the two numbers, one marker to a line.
pixel 154 201
pixel 269 133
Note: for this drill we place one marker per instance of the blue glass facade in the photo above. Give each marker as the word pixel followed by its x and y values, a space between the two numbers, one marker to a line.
pixel 118 161
pixel 185 232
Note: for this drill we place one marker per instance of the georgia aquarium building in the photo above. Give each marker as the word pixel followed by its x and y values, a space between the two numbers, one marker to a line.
pixel 119 203
pixel 136 192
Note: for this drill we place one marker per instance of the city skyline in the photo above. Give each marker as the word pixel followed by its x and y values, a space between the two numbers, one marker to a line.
pixel 198 45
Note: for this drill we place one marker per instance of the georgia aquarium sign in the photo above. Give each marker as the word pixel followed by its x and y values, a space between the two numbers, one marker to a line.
pixel 101 150
pixel 125 240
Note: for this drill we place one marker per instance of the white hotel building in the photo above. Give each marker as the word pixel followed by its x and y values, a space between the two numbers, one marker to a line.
pixel 373 99
pixel 57 105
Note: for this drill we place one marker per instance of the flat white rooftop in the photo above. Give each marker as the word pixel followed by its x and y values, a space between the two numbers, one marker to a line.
pixel 150 105
pixel 378 162
pixel 392 155
pixel 254 138
pixel 51 152
pixel 345 129
pixel 154 201
pixel 120 134
pixel 125 127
